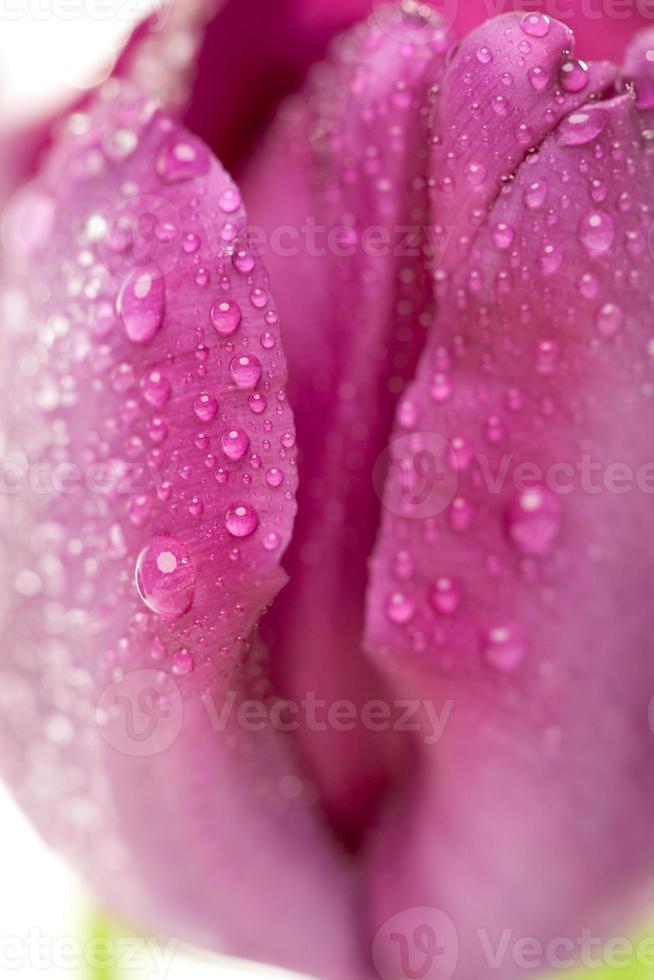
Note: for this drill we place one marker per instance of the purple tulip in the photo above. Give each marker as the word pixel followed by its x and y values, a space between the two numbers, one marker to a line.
pixel 356 739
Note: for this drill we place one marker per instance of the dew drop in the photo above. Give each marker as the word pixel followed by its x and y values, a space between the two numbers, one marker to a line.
pixel 588 285
pixel 257 403
pixel 533 521
pixel 274 476
pixel 225 316
pixel 141 304
pixel 503 235
pixel 245 371
pixel 234 443
pixel 182 662
pixel 538 78
pixel 535 195
pixel 241 520
pixel 165 577
pixel 597 232
pixel 582 127
pixel 229 200
pixel 400 608
pixel 205 407
pixel 445 596
pixel 181 159
pixel 535 25
pixel 609 320
pixel 574 76
pixel 503 648
pixel 441 388
pixel 156 388
pixel 243 260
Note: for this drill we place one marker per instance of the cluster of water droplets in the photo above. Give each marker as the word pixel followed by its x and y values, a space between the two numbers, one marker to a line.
pixel 541 293
pixel 151 368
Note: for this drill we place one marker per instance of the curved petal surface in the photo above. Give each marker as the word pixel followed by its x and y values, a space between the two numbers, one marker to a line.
pixel 524 516
pixel 142 534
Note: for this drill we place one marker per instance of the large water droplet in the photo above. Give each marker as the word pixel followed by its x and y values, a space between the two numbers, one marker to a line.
pixel 234 443
pixel 205 407
pixel 597 232
pixel 245 371
pixel 582 127
pixel 225 315
pixel 535 25
pixel 400 608
pixel 241 520
pixel 574 76
pixel 165 577
pixel 181 159
pixel 141 303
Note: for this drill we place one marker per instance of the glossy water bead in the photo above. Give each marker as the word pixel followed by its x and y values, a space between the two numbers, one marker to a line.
pixel 165 577
pixel 241 520
pixel 225 316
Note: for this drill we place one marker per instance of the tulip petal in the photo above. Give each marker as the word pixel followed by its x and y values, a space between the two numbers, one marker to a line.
pixel 339 192
pixel 524 622
pixel 142 537
pixel 602 29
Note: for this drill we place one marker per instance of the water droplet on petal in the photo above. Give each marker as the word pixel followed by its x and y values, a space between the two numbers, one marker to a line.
pixel 503 235
pixel 535 195
pixel 503 648
pixel 445 596
pixel 165 577
pixel 205 407
pixel 597 232
pixel 538 78
pixel 535 25
pixel 241 520
pixel 234 443
pixel 245 371
pixel 400 608
pixel 588 285
pixel 226 316
pixel 230 200
pixel 181 159
pixel 141 304
pixel 243 260
pixel 274 476
pixel 533 521
pixel 581 127
pixel 574 76
pixel 182 662
pixel 156 388
pixel 609 319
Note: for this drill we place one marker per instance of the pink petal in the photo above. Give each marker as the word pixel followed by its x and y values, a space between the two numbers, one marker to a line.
pixel 345 159
pixel 527 607
pixel 144 406
pixel 602 29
